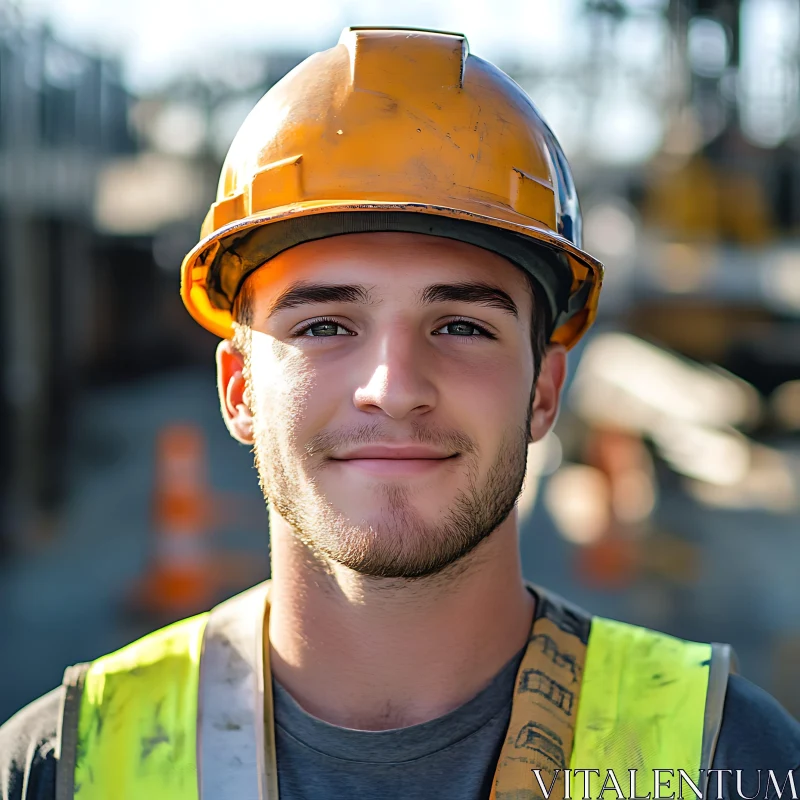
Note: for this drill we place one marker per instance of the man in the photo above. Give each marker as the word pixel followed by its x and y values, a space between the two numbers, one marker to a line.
pixel 394 264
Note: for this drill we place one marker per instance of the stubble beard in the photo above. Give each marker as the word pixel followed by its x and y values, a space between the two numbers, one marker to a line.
pixel 402 544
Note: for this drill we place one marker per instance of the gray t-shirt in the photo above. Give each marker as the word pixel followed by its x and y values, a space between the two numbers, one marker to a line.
pixel 453 756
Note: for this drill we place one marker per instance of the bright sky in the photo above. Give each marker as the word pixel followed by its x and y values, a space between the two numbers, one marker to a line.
pixel 158 38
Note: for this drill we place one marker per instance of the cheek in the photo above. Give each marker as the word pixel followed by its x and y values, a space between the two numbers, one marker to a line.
pixel 496 388
pixel 281 381
pixel 292 399
pixel 489 401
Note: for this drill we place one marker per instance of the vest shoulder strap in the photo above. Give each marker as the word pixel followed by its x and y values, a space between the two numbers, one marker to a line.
pixel 547 690
pixel 67 748
pixel 235 728
pixel 723 663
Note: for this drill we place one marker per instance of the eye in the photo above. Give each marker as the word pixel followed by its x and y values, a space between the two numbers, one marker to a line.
pixel 320 328
pixel 464 328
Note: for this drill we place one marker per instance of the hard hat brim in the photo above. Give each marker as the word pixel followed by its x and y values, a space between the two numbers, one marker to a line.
pixel 498 229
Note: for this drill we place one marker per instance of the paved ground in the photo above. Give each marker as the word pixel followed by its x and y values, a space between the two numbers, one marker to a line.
pixel 64 602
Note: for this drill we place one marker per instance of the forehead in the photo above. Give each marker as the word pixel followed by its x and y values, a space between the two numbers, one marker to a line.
pixel 388 263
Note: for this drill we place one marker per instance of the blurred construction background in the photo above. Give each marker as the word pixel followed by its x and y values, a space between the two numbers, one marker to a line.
pixel 669 495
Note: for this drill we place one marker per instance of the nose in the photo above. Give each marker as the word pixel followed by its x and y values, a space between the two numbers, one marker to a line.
pixel 399 383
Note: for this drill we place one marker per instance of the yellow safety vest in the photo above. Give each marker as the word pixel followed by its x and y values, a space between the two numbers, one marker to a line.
pixel 186 713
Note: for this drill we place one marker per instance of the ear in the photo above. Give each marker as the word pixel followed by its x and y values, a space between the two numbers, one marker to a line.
pixel 547 399
pixel 233 393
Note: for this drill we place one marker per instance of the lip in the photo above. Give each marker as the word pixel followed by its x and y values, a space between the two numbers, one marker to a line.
pixel 394 453
pixel 395 467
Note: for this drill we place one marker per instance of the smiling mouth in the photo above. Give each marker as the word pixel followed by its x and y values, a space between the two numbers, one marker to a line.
pixel 394 466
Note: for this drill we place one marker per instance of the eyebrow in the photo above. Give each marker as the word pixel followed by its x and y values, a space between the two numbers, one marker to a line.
pixel 482 294
pixel 304 293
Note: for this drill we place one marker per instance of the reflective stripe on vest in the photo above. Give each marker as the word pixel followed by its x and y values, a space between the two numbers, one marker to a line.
pixel 647 701
pixel 235 735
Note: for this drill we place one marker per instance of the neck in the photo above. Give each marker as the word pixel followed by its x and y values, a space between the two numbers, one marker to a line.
pixel 375 654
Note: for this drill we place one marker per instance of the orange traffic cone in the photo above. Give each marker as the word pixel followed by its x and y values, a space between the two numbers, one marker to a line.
pixel 611 563
pixel 181 578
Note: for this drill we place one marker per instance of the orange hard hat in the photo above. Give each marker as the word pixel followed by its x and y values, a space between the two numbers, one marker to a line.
pixel 395 130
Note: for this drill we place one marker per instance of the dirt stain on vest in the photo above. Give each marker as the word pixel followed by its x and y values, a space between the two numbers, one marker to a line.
pixel 149 743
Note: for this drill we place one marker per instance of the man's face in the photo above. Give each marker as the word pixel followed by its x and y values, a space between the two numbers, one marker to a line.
pixel 390 387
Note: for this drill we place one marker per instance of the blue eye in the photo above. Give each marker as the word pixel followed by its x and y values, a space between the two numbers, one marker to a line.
pixel 322 328
pixel 465 328
pixel 325 328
